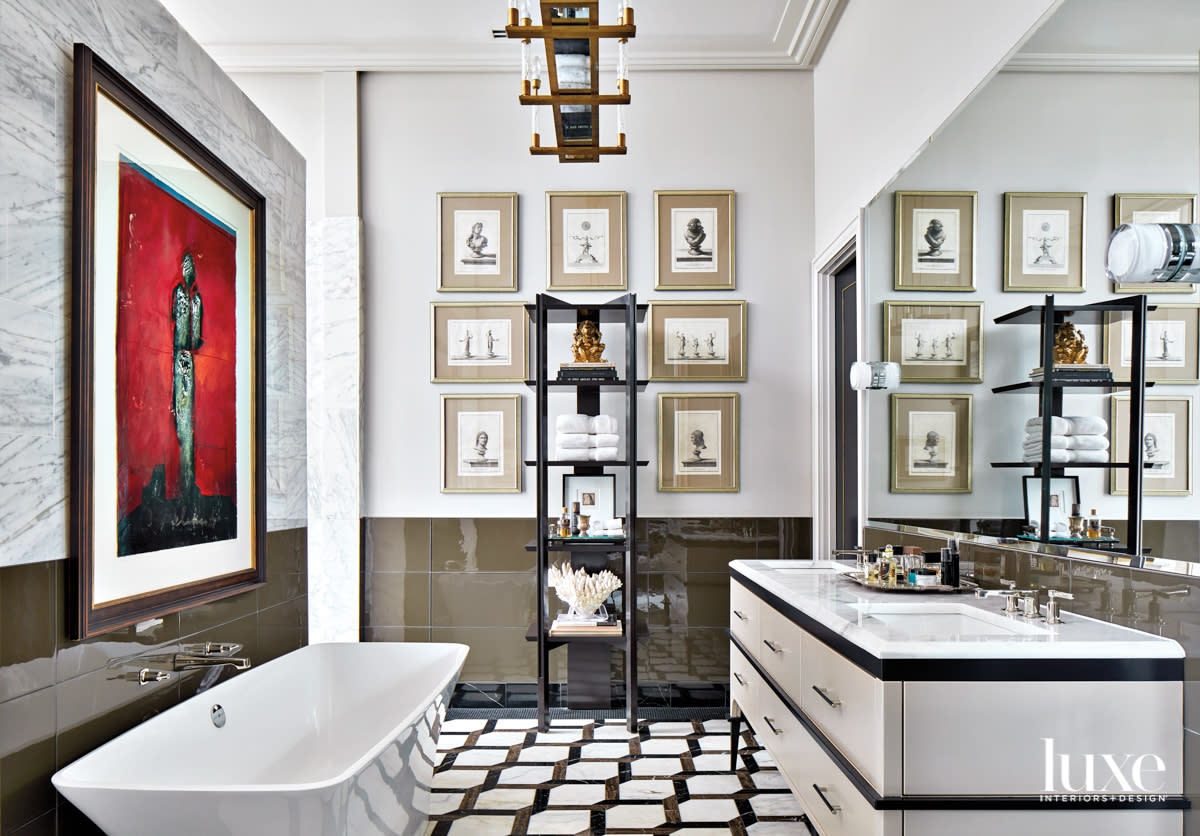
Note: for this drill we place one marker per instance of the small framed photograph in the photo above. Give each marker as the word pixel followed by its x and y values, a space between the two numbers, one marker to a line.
pixel 931 444
pixel 698 442
pixel 481 444
pixel 586 235
pixel 935 240
pixel 935 342
pixel 694 240
pixel 477 241
pixel 1166 445
pixel 697 340
pixel 479 343
pixel 595 495
pixel 1064 492
pixel 1154 209
pixel 1043 241
pixel 1172 353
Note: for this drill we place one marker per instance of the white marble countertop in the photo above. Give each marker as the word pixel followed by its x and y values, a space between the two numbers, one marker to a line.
pixel 891 625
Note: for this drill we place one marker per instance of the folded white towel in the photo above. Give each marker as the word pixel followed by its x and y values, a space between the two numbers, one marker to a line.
pixel 601 454
pixel 1058 426
pixel 1089 455
pixel 573 423
pixel 1087 425
pixel 603 424
pixel 571 454
pixel 1061 442
pixel 614 524
pixel 606 440
pixel 1057 456
pixel 1087 442
pixel 574 441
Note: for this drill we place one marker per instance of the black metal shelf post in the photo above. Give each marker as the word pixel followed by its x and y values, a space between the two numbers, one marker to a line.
pixel 1050 400
pixel 588 665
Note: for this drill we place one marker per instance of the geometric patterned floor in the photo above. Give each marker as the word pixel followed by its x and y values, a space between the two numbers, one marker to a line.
pixel 592 777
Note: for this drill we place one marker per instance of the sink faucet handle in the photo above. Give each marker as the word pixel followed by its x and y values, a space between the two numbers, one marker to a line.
pixel 1052 615
pixel 1030 603
pixel 1008 583
pixel 210 648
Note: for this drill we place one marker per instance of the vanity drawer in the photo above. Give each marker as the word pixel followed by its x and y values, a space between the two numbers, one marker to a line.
pixel 743 615
pixel 779 650
pixel 776 728
pixel 833 804
pixel 743 683
pixel 860 714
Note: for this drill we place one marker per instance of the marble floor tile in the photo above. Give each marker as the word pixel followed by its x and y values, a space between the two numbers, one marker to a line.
pixel 462 726
pixel 593 751
pixel 708 810
pixel 655 766
pixel 505 799
pixel 713 785
pixel 457 779
pixel 576 795
pixel 634 817
pixel 544 754
pixel 497 738
pixel 527 775
pixel 482 826
pixel 451 741
pixel 560 821
pixel 591 771
pixel 645 790
pixel 665 746
pixel 671 729
pixel 778 804
pixel 481 757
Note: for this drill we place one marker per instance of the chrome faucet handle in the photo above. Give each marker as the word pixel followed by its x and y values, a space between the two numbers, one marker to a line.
pixel 210 648
pixel 1009 595
pixel 143 676
pixel 1052 615
pixel 1008 583
pixel 1030 603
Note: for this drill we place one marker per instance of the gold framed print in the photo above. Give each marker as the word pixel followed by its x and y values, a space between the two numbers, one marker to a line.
pixel 697 340
pixel 474 342
pixel 477 241
pixel 931 440
pixel 935 241
pixel 694 240
pixel 586 235
pixel 935 342
pixel 1154 209
pixel 1043 241
pixel 1172 344
pixel 481 444
pixel 1166 445
pixel 698 441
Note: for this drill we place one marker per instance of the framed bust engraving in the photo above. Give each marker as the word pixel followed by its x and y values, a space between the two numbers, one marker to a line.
pixel 931 444
pixel 935 241
pixel 698 441
pixel 1166 445
pixel 477 241
pixel 481 444
pixel 694 240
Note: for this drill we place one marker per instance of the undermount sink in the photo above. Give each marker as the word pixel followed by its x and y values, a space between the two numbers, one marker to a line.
pixel 945 619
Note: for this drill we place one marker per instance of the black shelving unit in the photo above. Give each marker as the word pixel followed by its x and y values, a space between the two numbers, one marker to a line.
pixel 1051 388
pixel 589 674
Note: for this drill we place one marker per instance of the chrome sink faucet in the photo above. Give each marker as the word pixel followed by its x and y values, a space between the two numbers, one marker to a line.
pixel 147 668
pixel 1009 595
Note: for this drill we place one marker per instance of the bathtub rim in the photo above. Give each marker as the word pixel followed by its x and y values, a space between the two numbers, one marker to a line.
pixel 63 780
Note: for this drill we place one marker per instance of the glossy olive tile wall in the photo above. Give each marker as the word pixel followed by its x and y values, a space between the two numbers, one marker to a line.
pixel 471 581
pixel 57 698
pixel 1153 602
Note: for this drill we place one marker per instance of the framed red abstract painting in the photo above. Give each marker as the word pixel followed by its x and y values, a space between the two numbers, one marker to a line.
pixel 168 316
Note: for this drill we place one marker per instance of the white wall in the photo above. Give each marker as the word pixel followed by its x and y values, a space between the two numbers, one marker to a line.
pixel 891 75
pixel 746 131
pixel 1095 133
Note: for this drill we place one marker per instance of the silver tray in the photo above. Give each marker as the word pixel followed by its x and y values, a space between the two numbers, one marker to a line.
pixel 858 578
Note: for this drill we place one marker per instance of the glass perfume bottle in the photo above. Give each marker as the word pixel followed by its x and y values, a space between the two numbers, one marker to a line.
pixel 1076 521
pixel 564 524
pixel 1093 526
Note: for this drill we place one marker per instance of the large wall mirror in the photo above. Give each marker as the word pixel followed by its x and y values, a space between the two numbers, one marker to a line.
pixel 1104 100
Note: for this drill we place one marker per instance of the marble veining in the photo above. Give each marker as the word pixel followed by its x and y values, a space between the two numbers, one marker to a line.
pixel 143 42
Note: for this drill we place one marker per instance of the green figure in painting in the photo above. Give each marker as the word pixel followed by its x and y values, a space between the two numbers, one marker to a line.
pixel 187 311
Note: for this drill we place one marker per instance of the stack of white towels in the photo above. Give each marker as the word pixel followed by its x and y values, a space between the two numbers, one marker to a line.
pixel 586 438
pixel 1075 439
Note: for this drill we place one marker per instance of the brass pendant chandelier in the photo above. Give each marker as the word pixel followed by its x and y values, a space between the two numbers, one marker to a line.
pixel 570 33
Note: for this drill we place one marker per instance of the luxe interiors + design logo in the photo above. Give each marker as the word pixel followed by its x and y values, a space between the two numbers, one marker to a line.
pixel 1112 777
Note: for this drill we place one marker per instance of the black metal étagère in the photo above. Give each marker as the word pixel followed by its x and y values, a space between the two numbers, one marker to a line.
pixel 589 683
pixel 1051 388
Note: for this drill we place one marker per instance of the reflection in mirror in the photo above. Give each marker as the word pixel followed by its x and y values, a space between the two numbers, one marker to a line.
pixel 1103 101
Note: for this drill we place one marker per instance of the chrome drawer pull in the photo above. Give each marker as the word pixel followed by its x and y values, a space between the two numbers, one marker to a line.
pixel 740 615
pixel 774 649
pixel 738 677
pixel 833 808
pixel 832 702
pixel 771 726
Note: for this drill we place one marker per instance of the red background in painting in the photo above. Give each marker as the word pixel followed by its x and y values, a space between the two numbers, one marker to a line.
pixel 156 229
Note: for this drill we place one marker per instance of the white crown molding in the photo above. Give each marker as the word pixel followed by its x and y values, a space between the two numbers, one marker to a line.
pixel 313 58
pixel 1096 62
pixel 806 25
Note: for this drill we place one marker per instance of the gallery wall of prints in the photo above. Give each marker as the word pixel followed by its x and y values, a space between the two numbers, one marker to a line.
pixel 1032 133
pixel 482 147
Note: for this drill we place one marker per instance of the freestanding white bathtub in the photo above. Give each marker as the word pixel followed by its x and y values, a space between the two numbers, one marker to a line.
pixel 329 739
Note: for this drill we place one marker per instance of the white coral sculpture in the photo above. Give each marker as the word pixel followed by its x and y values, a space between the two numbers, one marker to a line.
pixel 584 592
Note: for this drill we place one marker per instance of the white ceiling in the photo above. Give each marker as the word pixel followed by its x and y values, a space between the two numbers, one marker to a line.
pixel 448 35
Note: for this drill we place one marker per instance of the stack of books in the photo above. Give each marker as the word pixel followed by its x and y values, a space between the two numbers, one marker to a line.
pixel 587 371
pixel 561 628
pixel 1075 371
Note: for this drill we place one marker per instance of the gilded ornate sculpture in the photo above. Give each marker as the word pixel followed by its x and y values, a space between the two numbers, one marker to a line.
pixel 586 347
pixel 1069 347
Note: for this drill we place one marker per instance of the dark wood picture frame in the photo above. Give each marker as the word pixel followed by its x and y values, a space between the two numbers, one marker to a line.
pixel 241 560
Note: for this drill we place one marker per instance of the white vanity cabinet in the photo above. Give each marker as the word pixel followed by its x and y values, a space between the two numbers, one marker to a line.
pixel 882 730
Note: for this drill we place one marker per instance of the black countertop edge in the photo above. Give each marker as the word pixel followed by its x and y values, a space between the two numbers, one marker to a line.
pixel 973 670
pixel 1049 801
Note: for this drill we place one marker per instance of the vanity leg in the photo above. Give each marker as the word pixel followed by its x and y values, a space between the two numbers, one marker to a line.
pixel 735 734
